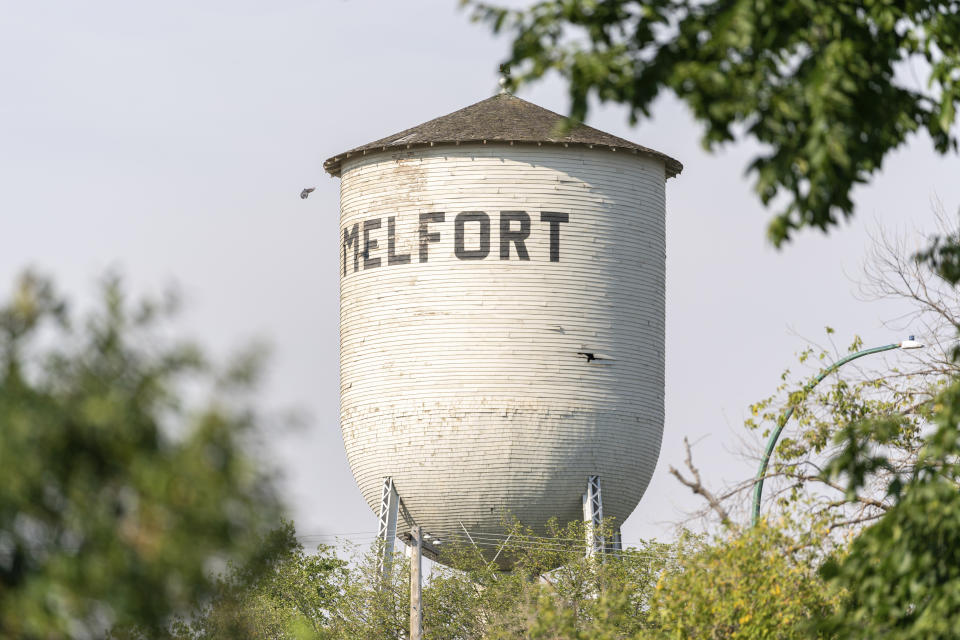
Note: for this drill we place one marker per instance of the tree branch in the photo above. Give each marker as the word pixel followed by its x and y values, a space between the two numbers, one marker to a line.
pixel 696 485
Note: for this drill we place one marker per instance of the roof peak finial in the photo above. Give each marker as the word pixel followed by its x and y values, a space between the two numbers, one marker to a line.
pixel 504 78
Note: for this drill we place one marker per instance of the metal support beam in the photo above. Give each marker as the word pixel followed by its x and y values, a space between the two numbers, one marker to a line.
pixel 617 544
pixel 387 528
pixel 593 516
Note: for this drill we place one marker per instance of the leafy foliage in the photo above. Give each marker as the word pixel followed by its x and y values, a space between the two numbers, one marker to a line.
pixel 116 497
pixel 756 585
pixel 815 83
pixel 474 598
pixel 903 573
pixel 900 399
pixel 282 593
pixel 371 607
pixel 894 391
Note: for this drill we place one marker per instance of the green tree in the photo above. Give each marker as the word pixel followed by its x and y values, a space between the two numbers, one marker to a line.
pixel 370 607
pixel 475 598
pixel 472 598
pixel 899 388
pixel 117 497
pixel 896 386
pixel 794 483
pixel 282 593
pixel 815 83
pixel 903 573
pixel 760 584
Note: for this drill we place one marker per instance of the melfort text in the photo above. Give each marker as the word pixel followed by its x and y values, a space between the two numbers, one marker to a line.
pixel 514 229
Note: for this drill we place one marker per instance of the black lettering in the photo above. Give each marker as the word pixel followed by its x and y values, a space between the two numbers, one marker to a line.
pixel 350 240
pixel 425 237
pixel 369 245
pixel 554 219
pixel 392 257
pixel 458 233
pixel 516 237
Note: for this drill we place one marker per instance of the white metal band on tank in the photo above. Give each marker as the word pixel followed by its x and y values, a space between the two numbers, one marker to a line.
pixel 486 384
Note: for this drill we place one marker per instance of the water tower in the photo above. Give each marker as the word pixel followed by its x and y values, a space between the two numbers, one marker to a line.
pixel 501 319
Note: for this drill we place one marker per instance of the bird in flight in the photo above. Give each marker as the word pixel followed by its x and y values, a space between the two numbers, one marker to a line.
pixel 306 192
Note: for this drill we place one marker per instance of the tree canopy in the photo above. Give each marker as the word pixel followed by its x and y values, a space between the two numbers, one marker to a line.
pixel 826 88
pixel 119 499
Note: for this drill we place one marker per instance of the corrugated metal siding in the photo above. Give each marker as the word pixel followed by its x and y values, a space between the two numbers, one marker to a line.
pixel 461 378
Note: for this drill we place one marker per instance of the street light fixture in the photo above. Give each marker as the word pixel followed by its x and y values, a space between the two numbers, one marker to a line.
pixel 909 343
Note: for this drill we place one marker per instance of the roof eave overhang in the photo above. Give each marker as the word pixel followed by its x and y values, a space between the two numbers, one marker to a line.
pixel 333 165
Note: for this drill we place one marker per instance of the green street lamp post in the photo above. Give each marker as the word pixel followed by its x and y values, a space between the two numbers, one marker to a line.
pixel 910 343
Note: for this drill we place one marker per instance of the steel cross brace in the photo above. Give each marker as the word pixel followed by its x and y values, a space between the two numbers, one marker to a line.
pixel 593 516
pixel 387 528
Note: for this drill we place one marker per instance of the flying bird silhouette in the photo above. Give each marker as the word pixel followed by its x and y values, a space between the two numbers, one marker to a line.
pixel 306 192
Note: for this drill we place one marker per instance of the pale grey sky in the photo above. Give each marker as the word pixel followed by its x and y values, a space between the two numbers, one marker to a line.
pixel 171 140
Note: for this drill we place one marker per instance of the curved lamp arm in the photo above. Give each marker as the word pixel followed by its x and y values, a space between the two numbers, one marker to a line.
pixel 785 416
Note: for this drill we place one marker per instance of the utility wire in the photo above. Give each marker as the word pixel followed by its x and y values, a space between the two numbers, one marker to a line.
pixel 496 540
pixel 540 546
pixel 490 537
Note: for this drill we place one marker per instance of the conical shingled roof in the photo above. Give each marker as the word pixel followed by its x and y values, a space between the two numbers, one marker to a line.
pixel 502 118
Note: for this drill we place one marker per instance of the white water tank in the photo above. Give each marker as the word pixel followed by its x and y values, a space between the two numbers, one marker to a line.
pixel 501 317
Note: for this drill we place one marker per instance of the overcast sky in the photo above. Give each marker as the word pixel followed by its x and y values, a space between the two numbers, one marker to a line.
pixel 170 140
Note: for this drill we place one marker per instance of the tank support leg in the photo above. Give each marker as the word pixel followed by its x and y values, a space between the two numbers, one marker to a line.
pixel 593 516
pixel 416 584
pixel 387 529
